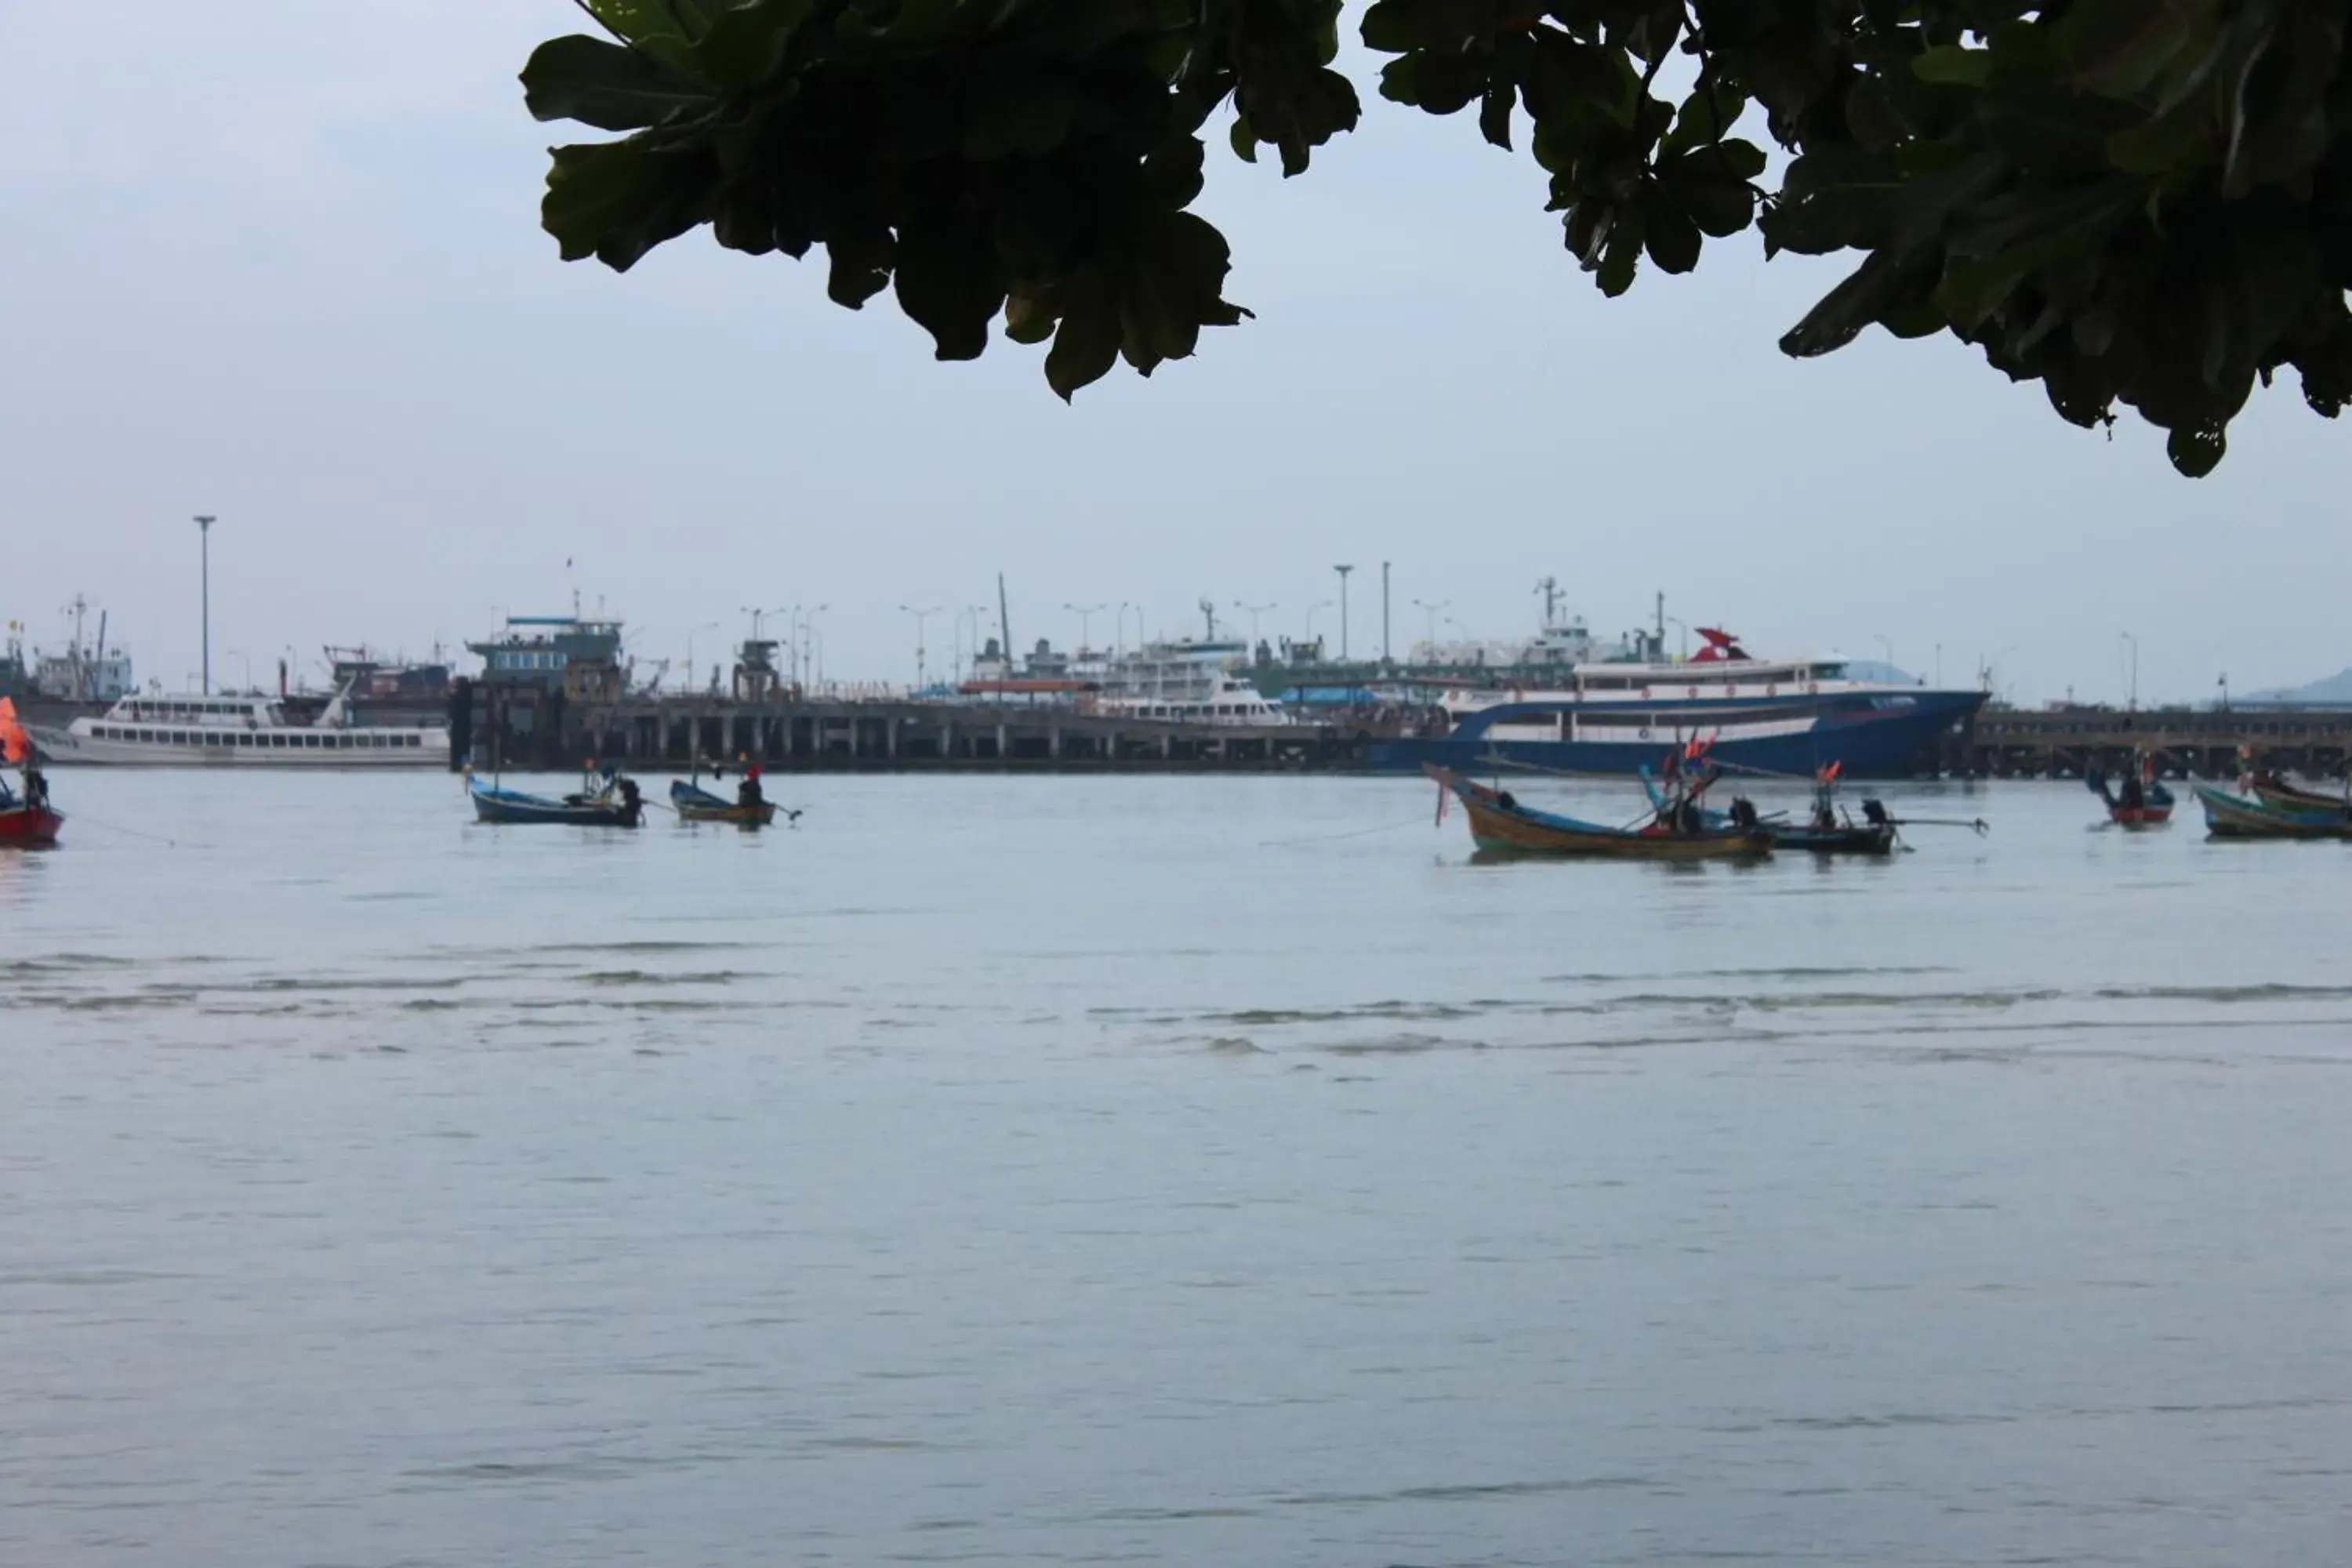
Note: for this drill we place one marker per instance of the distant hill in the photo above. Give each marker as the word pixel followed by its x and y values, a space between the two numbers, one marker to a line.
pixel 2336 690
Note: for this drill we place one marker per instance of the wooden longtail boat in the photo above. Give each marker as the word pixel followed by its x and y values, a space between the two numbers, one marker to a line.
pixel 617 807
pixel 27 821
pixel 695 804
pixel 1845 839
pixel 1498 822
pixel 2154 809
pixel 2272 790
pixel 1876 836
pixel 24 826
pixel 2231 815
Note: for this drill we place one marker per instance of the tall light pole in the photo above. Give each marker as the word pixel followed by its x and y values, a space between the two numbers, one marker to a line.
pixel 1343 572
pixel 921 615
pixel 204 521
pixel 1321 605
pixel 979 613
pixel 1684 625
pixel 1085 613
pixel 812 644
pixel 1384 612
pixel 1253 612
pixel 1426 608
pixel 705 627
pixel 2135 671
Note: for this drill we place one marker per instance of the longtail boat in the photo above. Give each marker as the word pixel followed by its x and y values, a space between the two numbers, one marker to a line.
pixel 2271 789
pixel 694 804
pixel 2152 809
pixel 27 826
pixel 1845 839
pixel 27 821
pixel 2229 816
pixel 1825 834
pixel 1498 822
pixel 614 807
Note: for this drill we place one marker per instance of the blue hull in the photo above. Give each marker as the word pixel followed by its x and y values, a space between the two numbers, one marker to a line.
pixel 1872 744
pixel 513 806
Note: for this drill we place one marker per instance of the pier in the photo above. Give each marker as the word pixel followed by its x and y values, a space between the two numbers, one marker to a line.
pixel 789 734
pixel 2184 743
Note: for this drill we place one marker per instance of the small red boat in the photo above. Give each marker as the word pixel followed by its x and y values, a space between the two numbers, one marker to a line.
pixel 26 827
pixel 26 821
pixel 2143 802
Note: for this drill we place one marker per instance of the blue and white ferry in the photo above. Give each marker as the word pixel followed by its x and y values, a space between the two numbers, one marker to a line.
pixel 1615 716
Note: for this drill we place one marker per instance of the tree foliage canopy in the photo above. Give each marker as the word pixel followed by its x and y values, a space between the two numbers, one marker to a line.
pixel 2137 202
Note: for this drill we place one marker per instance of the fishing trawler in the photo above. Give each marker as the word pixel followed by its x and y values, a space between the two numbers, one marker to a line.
pixel 1611 716
pixel 161 731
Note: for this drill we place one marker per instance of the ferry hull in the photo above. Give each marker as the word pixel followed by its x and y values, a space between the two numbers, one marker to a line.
pixel 1873 744
pixel 65 748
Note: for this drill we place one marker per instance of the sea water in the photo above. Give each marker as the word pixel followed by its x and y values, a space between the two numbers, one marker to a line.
pixel 1162 1170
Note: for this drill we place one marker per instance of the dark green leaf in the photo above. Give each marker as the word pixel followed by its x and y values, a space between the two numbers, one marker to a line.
pixel 606 86
pixel 1086 344
pixel 2197 452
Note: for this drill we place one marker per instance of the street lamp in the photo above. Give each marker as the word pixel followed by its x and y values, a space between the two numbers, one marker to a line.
pixel 2134 701
pixel 756 616
pixel 1385 612
pixel 1253 612
pixel 977 614
pixel 1343 572
pixel 247 661
pixel 1988 670
pixel 204 521
pixel 1320 604
pixel 1085 613
pixel 1429 610
pixel 1678 621
pixel 813 644
pixel 705 627
pixel 922 614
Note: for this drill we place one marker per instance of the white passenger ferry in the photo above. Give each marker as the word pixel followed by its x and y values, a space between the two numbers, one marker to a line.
pixel 155 730
pixel 1190 681
pixel 1184 681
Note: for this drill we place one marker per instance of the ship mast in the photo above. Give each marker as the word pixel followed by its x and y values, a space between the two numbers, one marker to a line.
pixel 75 661
pixel 1550 589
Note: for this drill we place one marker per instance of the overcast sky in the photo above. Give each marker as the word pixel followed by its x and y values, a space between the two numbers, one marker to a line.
pixel 281 261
